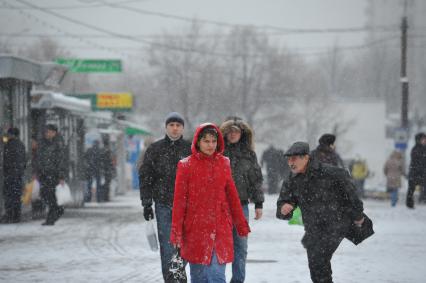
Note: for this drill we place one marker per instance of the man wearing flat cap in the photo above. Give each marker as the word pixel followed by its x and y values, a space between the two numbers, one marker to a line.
pixel 326 196
pixel 157 175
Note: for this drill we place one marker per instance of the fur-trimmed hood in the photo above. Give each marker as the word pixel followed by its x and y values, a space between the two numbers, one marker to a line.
pixel 247 138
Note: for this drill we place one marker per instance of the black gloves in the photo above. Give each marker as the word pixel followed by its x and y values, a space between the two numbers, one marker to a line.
pixel 148 213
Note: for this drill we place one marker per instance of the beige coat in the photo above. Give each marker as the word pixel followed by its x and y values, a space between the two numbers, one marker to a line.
pixel 394 169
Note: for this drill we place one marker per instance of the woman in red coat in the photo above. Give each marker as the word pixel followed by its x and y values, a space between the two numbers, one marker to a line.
pixel 206 206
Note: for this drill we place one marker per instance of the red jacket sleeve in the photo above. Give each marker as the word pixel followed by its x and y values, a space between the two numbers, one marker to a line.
pixel 237 213
pixel 179 203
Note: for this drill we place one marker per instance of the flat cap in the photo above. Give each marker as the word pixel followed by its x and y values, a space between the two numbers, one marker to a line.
pixel 298 148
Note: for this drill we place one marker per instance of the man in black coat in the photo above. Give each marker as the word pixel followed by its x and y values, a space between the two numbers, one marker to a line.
pixel 51 169
pixel 273 158
pixel 94 165
pixel 14 165
pixel 329 205
pixel 157 181
pixel 417 169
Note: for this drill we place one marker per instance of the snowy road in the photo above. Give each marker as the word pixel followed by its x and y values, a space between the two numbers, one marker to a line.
pixel 106 243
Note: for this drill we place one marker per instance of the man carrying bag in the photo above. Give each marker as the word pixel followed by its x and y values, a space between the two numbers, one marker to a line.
pixel 330 207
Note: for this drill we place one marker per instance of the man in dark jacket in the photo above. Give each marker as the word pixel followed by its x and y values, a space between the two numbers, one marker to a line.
pixel 51 169
pixel 94 165
pixel 157 181
pixel 247 176
pixel 14 165
pixel 326 151
pixel 107 167
pixel 329 205
pixel 417 169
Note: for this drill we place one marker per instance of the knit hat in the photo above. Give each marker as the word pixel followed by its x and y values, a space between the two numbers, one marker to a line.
pixel 52 127
pixel 174 117
pixel 327 139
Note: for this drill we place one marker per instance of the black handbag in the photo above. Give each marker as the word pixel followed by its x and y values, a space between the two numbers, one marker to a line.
pixel 358 234
pixel 176 272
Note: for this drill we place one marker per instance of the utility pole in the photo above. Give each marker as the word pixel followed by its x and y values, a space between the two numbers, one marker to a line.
pixel 404 79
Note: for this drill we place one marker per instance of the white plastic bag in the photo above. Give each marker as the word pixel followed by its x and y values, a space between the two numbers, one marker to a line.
pixel 63 194
pixel 35 193
pixel 151 235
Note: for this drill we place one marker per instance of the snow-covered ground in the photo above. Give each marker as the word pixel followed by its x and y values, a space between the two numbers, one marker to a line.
pixel 106 243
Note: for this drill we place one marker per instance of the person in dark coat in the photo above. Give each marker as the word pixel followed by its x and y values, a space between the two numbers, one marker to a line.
pixel 326 151
pixel 247 175
pixel 157 182
pixel 273 158
pixel 107 168
pixel 51 169
pixel 13 169
pixel 94 166
pixel 417 169
pixel 326 196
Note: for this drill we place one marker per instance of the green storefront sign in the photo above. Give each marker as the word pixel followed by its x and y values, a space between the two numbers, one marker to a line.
pixel 91 65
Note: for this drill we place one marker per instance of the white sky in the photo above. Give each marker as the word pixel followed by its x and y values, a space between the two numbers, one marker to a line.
pixel 300 14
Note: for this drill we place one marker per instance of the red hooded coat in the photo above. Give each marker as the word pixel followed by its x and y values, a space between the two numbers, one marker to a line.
pixel 206 206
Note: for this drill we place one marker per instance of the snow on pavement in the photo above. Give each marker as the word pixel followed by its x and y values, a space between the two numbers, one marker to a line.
pixel 107 243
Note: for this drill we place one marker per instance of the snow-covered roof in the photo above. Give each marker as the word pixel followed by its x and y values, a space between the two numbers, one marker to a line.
pixel 48 100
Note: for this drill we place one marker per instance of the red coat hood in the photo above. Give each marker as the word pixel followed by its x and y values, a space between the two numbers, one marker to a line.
pixel 220 142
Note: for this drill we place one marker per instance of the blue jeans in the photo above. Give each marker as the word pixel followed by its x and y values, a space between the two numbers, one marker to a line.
pixel 393 192
pixel 213 273
pixel 88 197
pixel 163 213
pixel 240 253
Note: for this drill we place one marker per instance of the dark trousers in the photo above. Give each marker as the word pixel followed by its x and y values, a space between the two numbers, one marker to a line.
pixel 48 196
pixel 106 188
pixel 410 193
pixel 12 198
pixel 320 252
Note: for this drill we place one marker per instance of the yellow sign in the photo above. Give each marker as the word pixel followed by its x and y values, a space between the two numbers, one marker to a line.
pixel 114 101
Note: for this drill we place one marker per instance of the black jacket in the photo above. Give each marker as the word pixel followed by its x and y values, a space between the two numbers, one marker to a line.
pixel 326 197
pixel 417 169
pixel 158 171
pixel 51 158
pixel 14 158
pixel 246 173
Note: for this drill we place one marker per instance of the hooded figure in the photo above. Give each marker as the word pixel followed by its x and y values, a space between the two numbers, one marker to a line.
pixel 206 207
pixel 247 175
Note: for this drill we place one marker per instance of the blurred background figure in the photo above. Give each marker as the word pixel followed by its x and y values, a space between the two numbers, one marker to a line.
pixel 394 169
pixel 14 166
pixel 417 169
pixel 359 172
pixel 326 151
pixel 94 163
pixel 275 163
pixel 107 168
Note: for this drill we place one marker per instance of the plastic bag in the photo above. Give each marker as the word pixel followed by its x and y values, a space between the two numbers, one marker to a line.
pixel 151 235
pixel 26 196
pixel 63 194
pixel 296 219
pixel 177 273
pixel 35 193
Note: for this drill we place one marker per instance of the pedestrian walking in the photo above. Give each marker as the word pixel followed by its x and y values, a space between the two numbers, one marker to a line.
pixel 14 163
pixel 326 151
pixel 157 182
pixel 94 165
pixel 206 207
pixel 273 158
pixel 107 168
pixel 394 169
pixel 417 169
pixel 326 196
pixel 359 172
pixel 51 170
pixel 247 176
